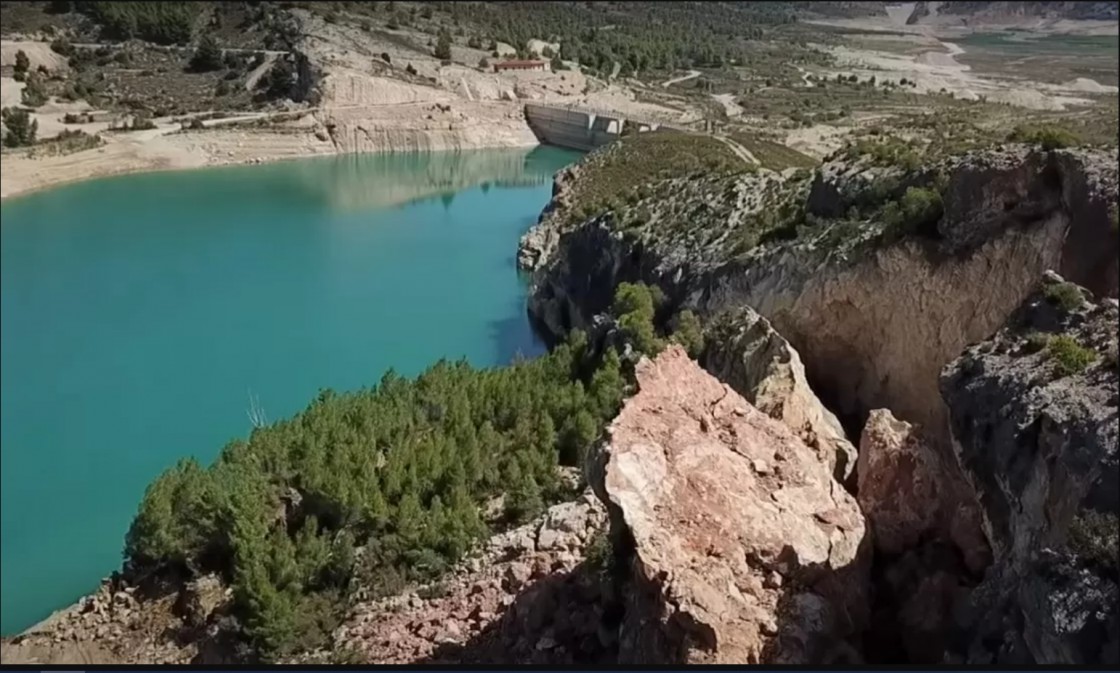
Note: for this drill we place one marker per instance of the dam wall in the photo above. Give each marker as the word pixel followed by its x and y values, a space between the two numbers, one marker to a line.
pixel 580 128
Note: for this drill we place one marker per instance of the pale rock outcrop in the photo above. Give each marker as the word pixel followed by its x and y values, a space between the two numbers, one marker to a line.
pixel 910 495
pixel 528 597
pixel 1040 444
pixel 741 547
pixel 537 244
pixel 747 353
pixel 201 598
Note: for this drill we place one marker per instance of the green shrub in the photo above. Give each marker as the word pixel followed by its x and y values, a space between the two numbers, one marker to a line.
pixel 207 56
pixel 599 554
pixel 280 79
pixel 67 142
pixel 1048 137
pixel 688 332
pixel 1065 295
pixel 1069 356
pixel 141 123
pixel 35 90
pixel 634 309
pixel 443 47
pixel 60 45
pixel 22 66
pixel 1095 537
pixel 21 128
pixel 885 152
pixel 919 209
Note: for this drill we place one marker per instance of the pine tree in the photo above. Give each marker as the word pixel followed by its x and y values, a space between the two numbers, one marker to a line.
pixel 443 46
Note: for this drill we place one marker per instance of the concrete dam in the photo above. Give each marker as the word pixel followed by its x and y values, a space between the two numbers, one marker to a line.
pixel 583 128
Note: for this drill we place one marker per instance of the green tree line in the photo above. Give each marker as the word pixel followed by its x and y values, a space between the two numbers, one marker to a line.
pixel 638 35
pixel 377 487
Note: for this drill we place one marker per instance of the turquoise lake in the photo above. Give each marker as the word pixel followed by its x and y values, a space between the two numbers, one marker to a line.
pixel 139 314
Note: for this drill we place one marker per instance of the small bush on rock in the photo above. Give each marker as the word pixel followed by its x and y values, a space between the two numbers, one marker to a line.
pixel 689 333
pixel 1065 295
pixel 634 308
pixel 1069 356
pixel 1047 137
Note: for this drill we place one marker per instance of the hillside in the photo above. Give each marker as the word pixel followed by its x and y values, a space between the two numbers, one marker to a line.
pixel 979 13
pixel 833 365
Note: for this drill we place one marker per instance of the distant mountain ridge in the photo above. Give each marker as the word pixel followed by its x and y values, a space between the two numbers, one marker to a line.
pixel 995 12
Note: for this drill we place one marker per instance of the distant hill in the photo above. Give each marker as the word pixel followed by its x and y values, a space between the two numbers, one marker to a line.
pixel 1011 12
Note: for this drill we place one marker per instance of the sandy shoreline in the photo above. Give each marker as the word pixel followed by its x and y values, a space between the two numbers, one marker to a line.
pixel 170 149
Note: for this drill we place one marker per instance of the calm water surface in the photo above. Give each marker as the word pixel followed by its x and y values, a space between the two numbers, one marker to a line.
pixel 139 314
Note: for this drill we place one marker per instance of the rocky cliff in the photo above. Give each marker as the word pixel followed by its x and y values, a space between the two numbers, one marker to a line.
pixel 875 307
pixel 1034 421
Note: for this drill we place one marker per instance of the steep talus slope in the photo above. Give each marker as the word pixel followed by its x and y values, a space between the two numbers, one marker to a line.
pixel 1035 425
pixel 874 314
pixel 737 544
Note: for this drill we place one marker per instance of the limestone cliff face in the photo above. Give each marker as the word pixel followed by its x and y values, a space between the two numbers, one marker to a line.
pixel 1040 445
pixel 538 244
pixel 875 325
pixel 739 545
pixel 426 127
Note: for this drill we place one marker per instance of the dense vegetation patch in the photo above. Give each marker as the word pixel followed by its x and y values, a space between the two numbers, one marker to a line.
pixel 378 487
pixel 1068 355
pixel 67 142
pixel 639 36
pixel 617 174
pixel 918 211
pixel 20 128
pixel 1095 537
pixel 1067 296
pixel 1048 136
pixel 885 151
pixel 158 22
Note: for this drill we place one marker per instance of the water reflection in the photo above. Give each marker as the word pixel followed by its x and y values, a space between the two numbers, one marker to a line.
pixel 362 181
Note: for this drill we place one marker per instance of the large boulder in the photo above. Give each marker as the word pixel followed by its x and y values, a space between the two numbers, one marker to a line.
pixel 748 354
pixel 738 544
pixel 1034 423
pixel 910 495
